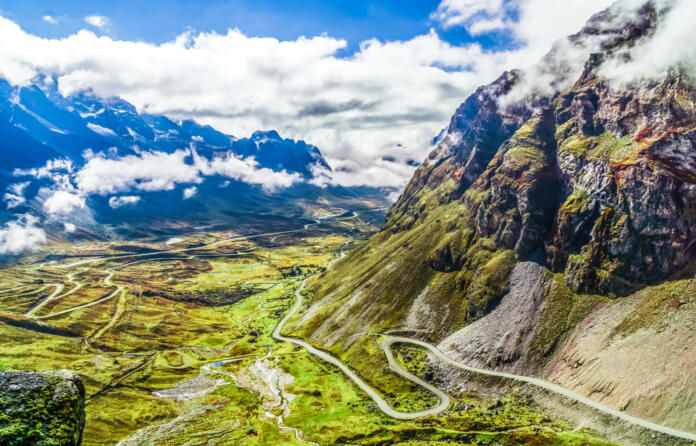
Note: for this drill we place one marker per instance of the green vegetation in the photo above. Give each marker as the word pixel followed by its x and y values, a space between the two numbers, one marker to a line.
pixel 182 352
pixel 574 203
pixel 658 305
pixel 42 409
pixel 603 147
pixel 562 312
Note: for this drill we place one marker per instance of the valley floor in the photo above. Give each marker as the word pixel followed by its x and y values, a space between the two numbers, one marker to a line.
pixel 175 345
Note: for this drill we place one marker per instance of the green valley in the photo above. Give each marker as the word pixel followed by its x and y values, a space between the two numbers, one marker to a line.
pixel 174 346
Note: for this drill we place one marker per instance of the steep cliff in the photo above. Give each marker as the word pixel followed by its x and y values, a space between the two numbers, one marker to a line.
pixel 591 179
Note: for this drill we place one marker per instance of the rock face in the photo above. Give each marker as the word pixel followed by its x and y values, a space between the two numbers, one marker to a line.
pixel 505 335
pixel 41 408
pixel 540 213
pixel 597 182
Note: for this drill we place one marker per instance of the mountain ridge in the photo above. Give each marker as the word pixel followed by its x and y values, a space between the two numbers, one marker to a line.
pixel 82 166
pixel 592 180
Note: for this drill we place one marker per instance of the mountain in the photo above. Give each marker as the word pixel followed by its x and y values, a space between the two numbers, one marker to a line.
pixel 99 164
pixel 551 232
pixel 57 126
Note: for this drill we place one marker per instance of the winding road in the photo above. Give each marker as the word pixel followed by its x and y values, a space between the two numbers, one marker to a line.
pixel 555 388
pixel 444 399
pixel 381 403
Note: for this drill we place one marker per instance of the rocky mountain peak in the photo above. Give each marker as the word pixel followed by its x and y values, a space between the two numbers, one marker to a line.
pixel 594 176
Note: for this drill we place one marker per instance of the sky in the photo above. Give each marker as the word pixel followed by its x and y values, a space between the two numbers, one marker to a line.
pixel 368 82
pixel 354 21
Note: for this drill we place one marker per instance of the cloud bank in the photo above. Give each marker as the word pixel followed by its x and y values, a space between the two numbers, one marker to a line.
pixel 388 98
pixel 147 171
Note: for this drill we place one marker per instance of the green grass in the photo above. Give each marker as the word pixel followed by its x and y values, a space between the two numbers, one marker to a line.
pixel 160 339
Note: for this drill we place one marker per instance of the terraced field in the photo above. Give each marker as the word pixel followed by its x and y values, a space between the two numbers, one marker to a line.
pixel 174 343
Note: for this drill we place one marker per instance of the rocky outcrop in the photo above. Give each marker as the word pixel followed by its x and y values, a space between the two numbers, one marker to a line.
pixel 597 182
pixel 41 408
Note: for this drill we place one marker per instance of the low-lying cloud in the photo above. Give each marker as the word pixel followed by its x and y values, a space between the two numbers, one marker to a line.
pixel 21 235
pixel 15 195
pixel 148 171
pixel 190 192
pixel 669 48
pixel 123 200
pixel 64 202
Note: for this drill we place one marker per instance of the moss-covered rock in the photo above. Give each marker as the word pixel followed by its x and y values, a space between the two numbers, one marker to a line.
pixel 45 409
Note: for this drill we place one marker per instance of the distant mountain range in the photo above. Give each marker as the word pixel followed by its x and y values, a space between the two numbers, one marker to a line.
pixel 97 164
pixel 39 124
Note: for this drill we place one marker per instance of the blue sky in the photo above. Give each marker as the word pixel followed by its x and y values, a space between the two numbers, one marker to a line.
pixel 159 21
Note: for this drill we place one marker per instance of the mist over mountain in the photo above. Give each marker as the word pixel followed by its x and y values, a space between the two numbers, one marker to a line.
pixel 88 161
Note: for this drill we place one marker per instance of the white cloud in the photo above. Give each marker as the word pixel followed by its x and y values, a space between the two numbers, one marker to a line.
pixel 487 25
pixel 15 195
pixel 389 98
pixel 189 192
pixel 69 227
pixel 667 49
pixel 246 170
pixel 542 22
pixel 117 202
pixel 97 21
pixel 47 171
pixel 470 12
pixel 63 202
pixel 535 24
pixel 147 171
pixel 50 19
pixel 354 108
pixel 21 235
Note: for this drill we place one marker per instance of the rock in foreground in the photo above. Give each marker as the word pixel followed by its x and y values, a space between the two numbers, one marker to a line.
pixel 41 408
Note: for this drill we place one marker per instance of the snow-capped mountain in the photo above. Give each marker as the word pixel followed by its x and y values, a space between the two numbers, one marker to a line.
pixel 90 161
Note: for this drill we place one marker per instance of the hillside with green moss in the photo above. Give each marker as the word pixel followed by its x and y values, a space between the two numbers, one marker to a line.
pixel 595 183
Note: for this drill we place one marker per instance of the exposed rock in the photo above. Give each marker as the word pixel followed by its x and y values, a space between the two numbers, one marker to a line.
pixel 593 180
pixel 597 181
pixel 503 336
pixel 44 408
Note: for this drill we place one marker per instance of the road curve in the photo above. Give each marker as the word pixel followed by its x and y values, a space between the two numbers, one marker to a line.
pixel 381 403
pixel 54 295
pixel 444 399
pixel 555 388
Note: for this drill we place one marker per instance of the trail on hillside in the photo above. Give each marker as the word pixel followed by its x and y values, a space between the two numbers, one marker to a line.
pixel 444 399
